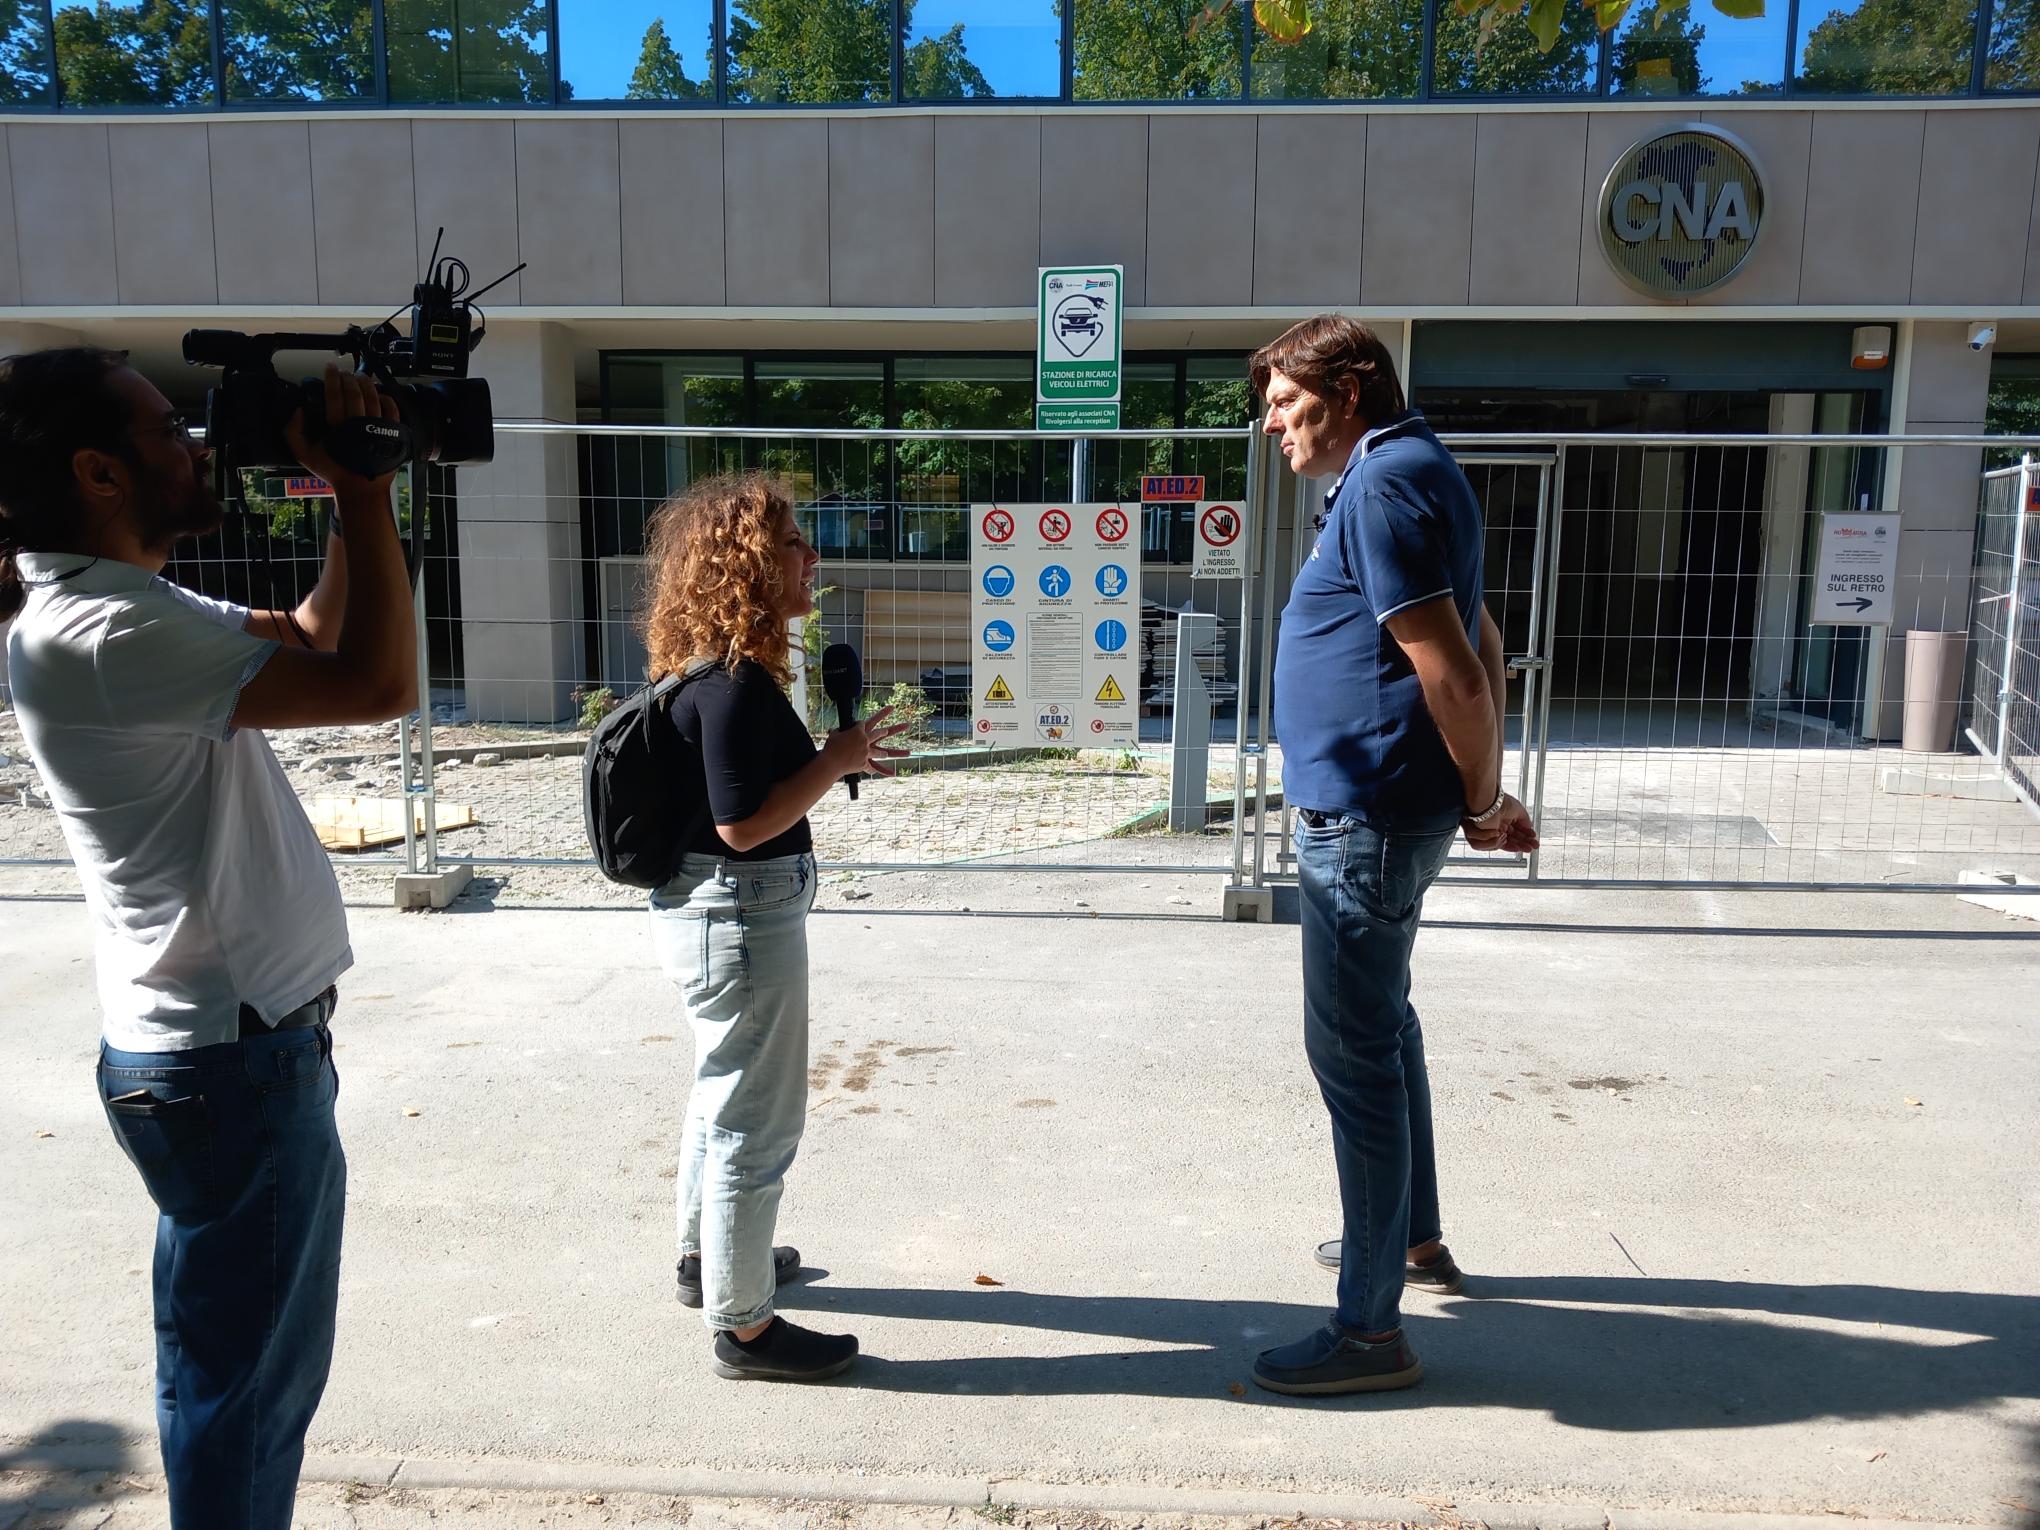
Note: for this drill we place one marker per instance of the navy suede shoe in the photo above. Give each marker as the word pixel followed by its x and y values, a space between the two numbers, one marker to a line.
pixel 1331 1360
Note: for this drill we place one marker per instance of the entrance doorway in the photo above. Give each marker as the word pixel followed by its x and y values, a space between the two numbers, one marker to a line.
pixel 1675 573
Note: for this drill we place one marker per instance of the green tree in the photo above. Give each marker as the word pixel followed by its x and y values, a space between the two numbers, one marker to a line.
pixel 659 75
pixel 310 50
pixel 1154 50
pixel 812 52
pixel 468 50
pixel 937 68
pixel 1659 55
pixel 155 53
pixel 1890 47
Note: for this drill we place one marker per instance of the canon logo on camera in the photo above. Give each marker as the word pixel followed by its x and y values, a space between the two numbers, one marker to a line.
pixel 381 430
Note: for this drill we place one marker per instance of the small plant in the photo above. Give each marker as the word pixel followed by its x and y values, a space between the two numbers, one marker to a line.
pixel 1129 759
pixel 997 1513
pixel 595 705
pixel 910 705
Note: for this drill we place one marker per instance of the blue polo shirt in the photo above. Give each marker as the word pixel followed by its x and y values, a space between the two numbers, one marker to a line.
pixel 1401 528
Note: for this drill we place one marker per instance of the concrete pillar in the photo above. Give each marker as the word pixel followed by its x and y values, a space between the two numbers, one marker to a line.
pixel 1947 387
pixel 1785 513
pixel 521 554
pixel 14 340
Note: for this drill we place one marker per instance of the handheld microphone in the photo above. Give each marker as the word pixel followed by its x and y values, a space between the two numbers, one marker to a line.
pixel 843 682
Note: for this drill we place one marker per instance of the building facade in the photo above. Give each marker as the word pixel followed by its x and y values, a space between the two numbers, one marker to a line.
pixel 784 243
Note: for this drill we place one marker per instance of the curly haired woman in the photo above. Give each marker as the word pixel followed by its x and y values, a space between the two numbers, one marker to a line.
pixel 730 569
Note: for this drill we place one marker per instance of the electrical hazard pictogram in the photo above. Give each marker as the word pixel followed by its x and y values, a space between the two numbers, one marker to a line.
pixel 1110 690
pixel 1000 690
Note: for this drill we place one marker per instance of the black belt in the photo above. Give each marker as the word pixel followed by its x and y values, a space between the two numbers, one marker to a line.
pixel 316 1012
pixel 1313 819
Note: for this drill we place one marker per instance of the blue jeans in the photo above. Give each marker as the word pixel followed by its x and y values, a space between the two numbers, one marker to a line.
pixel 732 935
pixel 1363 893
pixel 237 1146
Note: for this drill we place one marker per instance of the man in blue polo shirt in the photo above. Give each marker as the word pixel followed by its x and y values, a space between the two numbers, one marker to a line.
pixel 1388 698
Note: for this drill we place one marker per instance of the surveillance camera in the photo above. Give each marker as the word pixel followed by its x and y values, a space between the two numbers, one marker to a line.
pixel 1982 336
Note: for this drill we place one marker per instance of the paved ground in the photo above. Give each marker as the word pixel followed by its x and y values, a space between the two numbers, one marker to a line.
pixel 1745 1183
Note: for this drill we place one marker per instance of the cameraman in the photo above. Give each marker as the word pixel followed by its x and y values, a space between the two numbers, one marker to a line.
pixel 219 925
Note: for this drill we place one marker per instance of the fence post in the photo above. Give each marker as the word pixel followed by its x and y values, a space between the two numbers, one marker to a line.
pixel 1190 730
pixel 1251 519
pixel 426 887
pixel 2029 478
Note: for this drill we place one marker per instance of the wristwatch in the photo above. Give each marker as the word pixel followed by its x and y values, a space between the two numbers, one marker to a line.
pixel 1494 808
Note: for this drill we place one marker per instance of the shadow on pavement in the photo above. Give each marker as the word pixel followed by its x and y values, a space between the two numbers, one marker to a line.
pixel 77 1452
pixel 1714 1364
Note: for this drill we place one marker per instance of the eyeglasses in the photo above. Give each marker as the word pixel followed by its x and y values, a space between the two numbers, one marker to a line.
pixel 177 424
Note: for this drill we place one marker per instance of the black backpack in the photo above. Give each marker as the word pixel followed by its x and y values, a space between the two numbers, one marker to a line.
pixel 642 792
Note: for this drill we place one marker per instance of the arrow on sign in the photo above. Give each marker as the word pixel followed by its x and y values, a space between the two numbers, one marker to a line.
pixel 1861 603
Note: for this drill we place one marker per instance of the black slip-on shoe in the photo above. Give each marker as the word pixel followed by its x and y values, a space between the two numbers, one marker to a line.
pixel 1331 1361
pixel 784 1352
pixel 1440 1275
pixel 785 1265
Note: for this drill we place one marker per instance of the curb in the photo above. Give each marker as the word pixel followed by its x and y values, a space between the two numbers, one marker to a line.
pixel 507 1475
pixel 1134 1498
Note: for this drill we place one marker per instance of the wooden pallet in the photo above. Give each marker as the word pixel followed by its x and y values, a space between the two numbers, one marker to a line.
pixel 370 823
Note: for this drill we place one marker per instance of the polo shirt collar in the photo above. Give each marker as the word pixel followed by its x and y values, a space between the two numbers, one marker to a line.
pixel 81 573
pixel 1366 444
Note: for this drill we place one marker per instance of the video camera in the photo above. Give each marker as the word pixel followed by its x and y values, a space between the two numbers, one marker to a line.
pixel 444 421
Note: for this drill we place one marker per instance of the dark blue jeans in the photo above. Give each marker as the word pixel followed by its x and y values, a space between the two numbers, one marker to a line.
pixel 1363 893
pixel 237 1146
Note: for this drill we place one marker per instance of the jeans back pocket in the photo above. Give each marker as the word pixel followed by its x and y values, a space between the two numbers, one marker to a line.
pixel 169 1141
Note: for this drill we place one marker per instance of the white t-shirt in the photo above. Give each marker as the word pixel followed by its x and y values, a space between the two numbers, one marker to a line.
pixel 207 885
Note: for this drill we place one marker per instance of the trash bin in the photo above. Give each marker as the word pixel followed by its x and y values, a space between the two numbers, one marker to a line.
pixel 1933 689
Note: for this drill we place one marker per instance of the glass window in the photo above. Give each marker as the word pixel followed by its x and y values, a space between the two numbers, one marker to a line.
pixel 468 50
pixel 1886 47
pixel 840 488
pixel 938 480
pixel 1355 50
pixel 316 50
pixel 149 53
pixel 814 52
pixel 1508 63
pixel 637 50
pixel 957 49
pixel 24 57
pixel 2013 62
pixel 1155 50
pixel 1691 52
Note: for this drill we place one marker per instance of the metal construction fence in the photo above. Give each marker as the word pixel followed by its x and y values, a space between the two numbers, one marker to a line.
pixel 1683 707
pixel 2002 701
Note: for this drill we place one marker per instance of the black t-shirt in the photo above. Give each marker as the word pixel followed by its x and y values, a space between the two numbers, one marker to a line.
pixel 749 739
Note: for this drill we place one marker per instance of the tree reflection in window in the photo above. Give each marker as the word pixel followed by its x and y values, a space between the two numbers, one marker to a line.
pixel 24 54
pixel 298 50
pixel 2013 62
pixel 1887 47
pixel 811 52
pixel 153 53
pixel 1355 50
pixel 1507 62
pixel 1154 50
pixel 468 50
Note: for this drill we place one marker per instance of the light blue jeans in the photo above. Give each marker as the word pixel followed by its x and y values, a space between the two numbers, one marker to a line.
pixel 732 935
